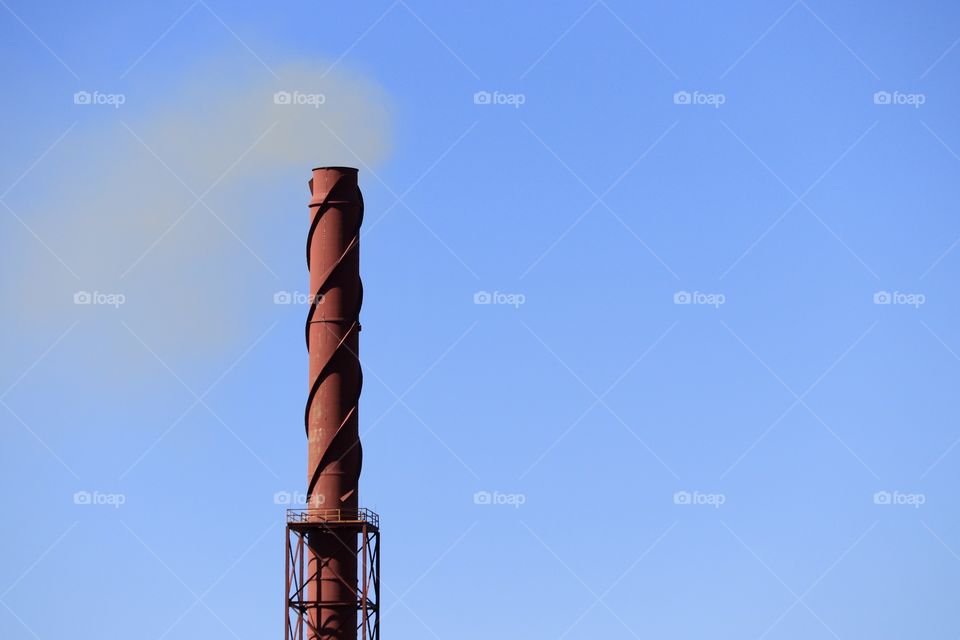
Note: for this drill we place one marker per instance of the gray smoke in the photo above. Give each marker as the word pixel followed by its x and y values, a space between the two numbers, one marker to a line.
pixel 119 206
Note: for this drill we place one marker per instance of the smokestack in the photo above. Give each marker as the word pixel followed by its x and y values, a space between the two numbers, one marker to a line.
pixel 333 438
pixel 332 333
pixel 323 552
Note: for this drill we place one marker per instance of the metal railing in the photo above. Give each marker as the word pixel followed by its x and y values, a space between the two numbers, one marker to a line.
pixel 333 515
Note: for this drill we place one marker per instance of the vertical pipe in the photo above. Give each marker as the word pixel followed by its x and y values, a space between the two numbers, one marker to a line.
pixel 363 552
pixel 286 589
pixel 302 553
pixel 332 333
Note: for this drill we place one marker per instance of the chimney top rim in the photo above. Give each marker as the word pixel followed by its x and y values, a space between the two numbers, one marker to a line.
pixel 335 169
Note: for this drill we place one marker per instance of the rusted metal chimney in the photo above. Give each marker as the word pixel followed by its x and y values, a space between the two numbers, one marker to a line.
pixel 333 339
pixel 333 539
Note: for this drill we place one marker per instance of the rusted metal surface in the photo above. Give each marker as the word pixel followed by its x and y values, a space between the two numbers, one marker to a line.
pixel 332 333
pixel 334 451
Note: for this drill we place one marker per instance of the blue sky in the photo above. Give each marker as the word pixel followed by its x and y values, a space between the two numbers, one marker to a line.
pixel 711 392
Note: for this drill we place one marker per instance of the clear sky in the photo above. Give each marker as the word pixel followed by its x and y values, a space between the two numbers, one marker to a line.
pixel 659 337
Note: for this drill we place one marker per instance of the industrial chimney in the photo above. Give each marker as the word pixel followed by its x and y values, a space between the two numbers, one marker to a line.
pixel 333 546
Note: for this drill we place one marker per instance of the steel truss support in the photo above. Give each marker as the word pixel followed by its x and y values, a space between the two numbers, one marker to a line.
pixel 302 576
